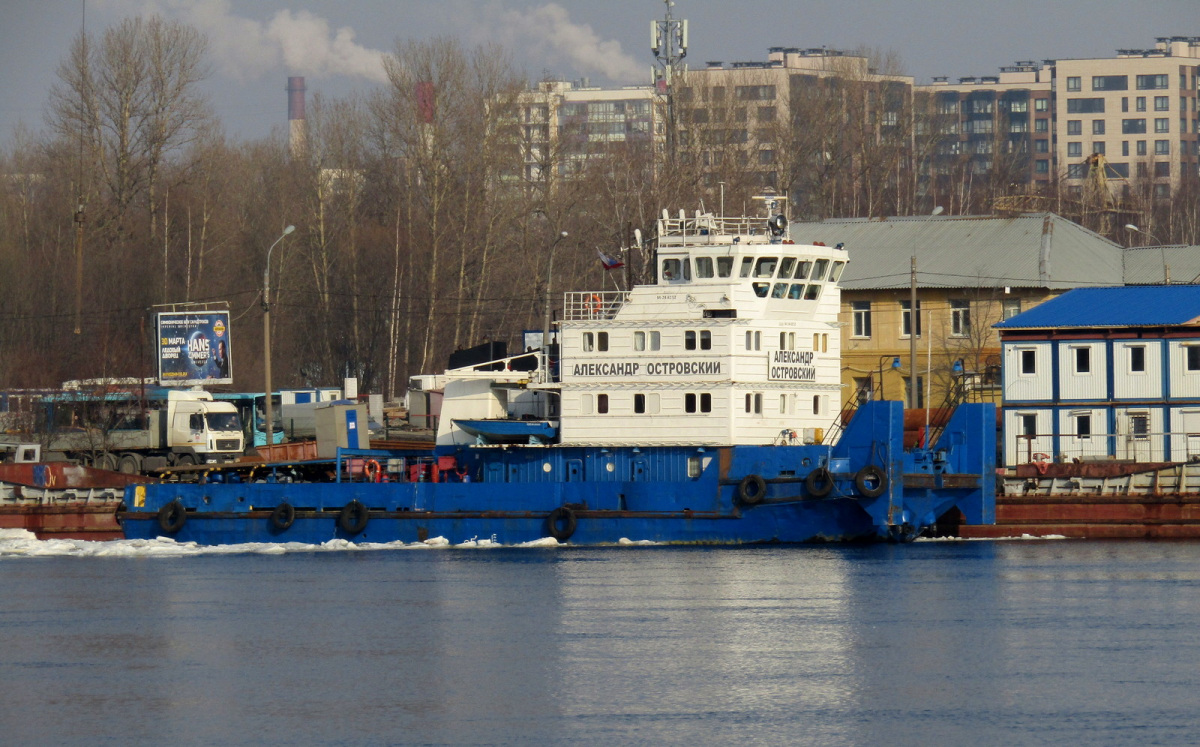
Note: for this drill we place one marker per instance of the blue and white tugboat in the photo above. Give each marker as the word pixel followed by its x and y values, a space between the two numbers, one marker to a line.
pixel 701 408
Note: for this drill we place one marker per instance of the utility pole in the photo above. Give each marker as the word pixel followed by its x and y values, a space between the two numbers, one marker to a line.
pixel 668 42
pixel 913 320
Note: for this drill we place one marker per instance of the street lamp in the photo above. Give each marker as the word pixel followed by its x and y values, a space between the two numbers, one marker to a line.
pixel 1161 249
pixel 270 414
pixel 546 325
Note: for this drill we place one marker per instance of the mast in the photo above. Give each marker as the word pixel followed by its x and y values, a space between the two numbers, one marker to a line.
pixel 668 43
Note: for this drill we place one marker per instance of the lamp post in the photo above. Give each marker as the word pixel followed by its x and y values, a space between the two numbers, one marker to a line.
pixel 270 414
pixel 1161 249
pixel 546 326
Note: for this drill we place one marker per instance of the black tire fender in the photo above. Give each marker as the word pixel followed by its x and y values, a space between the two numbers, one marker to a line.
pixel 283 516
pixel 353 518
pixel 172 517
pixel 752 489
pixel 819 483
pixel 871 481
pixel 562 523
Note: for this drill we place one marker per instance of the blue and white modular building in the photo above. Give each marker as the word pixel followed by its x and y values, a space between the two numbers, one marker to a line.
pixel 1104 373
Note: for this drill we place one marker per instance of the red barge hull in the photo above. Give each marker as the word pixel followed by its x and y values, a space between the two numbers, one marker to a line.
pixel 61 500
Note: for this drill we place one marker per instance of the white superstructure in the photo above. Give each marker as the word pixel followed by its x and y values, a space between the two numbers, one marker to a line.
pixel 736 343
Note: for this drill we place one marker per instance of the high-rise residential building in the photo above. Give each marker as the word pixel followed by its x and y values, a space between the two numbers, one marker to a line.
pixel 1119 121
pixel 564 123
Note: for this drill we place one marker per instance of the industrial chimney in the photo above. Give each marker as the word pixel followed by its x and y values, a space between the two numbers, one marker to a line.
pixel 296 126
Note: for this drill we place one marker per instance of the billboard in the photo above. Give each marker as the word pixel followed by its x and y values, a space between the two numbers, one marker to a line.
pixel 193 348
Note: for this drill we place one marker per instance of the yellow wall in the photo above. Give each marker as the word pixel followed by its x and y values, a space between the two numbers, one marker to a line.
pixel 978 348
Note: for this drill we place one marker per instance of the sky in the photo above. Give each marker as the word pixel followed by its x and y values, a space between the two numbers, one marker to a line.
pixel 336 44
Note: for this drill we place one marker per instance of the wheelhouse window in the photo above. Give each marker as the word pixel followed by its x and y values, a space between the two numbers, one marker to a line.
pixel 765 268
pixel 802 269
pixel 724 266
pixel 676 269
pixel 819 268
pixel 704 267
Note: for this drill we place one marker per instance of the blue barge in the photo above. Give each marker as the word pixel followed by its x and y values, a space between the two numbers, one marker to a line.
pixel 694 409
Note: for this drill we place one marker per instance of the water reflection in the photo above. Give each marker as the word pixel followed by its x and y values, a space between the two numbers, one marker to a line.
pixel 954 642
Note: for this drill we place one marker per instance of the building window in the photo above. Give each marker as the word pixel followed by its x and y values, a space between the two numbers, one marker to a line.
pixel 1162 169
pixel 1029 425
pixel 1083 426
pixel 1073 83
pixel 602 404
pixel 1098 147
pixel 960 318
pixel 639 404
pixel 1141 148
pixel 1162 103
pixel 1085 106
pixel 1041 146
pixel 920 401
pixel 1110 82
pixel 1193 357
pixel 1124 147
pixel 1041 125
pixel 862 318
pixel 1137 359
pixel 1097 126
pixel 1125 103
pixel 1162 147
pixel 1151 82
pixel 1083 360
pixel 1010 307
pixel 1162 124
pixel 906 318
pixel 1041 166
pixel 1041 105
pixel 1139 425
pixel 1074 126
pixel 1140 103
pixel 1074 150
pixel 1133 126
pixel 1028 362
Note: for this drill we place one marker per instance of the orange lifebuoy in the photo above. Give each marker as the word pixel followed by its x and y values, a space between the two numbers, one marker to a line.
pixel 372 470
pixel 596 303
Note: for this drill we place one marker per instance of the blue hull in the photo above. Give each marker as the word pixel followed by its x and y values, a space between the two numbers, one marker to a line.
pixel 588 495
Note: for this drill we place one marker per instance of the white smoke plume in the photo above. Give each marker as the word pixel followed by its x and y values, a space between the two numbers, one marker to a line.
pixel 243 48
pixel 547 31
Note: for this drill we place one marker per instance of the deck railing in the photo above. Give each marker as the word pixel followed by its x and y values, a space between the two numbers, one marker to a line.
pixel 593 305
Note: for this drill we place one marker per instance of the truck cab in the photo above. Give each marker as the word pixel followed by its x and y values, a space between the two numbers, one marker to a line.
pixel 201 430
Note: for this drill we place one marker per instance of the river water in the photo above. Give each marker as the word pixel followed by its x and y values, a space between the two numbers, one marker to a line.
pixel 1007 642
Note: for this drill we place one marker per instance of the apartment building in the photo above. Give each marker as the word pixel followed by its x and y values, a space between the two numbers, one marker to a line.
pixel 1119 121
pixel 563 123
pixel 742 110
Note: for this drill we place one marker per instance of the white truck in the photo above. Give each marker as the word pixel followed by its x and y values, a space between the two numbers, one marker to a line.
pixel 188 428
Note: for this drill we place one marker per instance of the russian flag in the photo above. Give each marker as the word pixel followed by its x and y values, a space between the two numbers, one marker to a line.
pixel 610 262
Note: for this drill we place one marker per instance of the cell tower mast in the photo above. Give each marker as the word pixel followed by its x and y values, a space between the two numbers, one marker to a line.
pixel 668 42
